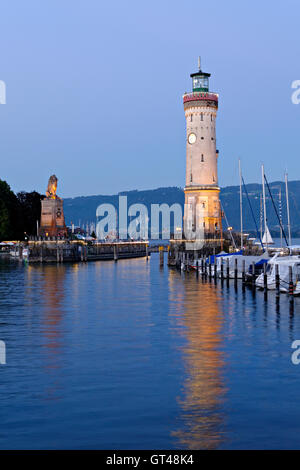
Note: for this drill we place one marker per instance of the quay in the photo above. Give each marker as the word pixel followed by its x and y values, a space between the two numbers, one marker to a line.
pixel 61 250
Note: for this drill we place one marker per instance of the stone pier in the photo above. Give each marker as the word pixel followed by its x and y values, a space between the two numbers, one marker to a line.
pixel 53 250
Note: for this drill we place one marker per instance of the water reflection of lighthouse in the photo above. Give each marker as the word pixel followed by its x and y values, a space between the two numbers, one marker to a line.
pixel 203 390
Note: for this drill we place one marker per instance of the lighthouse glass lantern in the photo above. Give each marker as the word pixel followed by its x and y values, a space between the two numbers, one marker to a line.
pixel 200 81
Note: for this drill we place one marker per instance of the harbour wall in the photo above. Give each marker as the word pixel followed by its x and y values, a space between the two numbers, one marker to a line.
pixel 59 251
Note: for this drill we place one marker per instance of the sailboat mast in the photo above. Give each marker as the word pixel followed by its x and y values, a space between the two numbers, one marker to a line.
pixel 280 216
pixel 260 216
pixel 241 203
pixel 264 204
pixel 228 227
pixel 288 207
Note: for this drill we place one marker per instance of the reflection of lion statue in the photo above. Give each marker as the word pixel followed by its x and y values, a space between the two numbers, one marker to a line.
pixel 52 186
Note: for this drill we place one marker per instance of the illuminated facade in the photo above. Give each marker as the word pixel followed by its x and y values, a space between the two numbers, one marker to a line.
pixel 201 186
pixel 52 215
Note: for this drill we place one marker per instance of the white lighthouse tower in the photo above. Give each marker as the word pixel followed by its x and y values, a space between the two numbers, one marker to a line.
pixel 201 186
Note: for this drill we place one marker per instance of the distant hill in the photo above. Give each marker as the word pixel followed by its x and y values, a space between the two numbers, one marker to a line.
pixel 230 200
pixel 82 210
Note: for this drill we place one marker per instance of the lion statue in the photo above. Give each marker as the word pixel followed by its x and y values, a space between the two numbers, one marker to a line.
pixel 52 187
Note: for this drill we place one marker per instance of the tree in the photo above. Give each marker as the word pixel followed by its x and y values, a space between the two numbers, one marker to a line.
pixel 9 212
pixel 18 214
pixel 30 211
pixel 5 228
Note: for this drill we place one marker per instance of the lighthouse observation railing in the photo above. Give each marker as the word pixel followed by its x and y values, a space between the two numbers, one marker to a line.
pixel 201 95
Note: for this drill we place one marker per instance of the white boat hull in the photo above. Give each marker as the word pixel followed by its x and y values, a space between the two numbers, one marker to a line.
pixel 284 264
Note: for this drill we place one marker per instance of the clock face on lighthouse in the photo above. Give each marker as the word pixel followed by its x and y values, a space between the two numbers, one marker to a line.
pixel 192 138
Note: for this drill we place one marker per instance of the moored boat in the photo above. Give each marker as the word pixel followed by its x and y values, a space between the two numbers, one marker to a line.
pixel 231 259
pixel 284 264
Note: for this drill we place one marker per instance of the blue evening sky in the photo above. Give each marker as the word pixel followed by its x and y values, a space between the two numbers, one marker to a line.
pixel 94 90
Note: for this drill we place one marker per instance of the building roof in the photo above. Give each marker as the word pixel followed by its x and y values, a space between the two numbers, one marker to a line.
pixel 205 74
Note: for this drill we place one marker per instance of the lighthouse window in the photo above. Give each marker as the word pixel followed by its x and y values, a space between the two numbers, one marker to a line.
pixel 211 118
pixel 203 224
pixel 212 138
pixel 202 138
pixel 201 116
pixel 191 118
pixel 202 158
pixel 200 82
pixel 203 205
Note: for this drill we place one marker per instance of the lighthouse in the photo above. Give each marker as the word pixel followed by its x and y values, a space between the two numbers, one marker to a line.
pixel 202 210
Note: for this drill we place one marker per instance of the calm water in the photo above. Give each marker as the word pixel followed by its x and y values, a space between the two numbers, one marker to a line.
pixel 125 355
